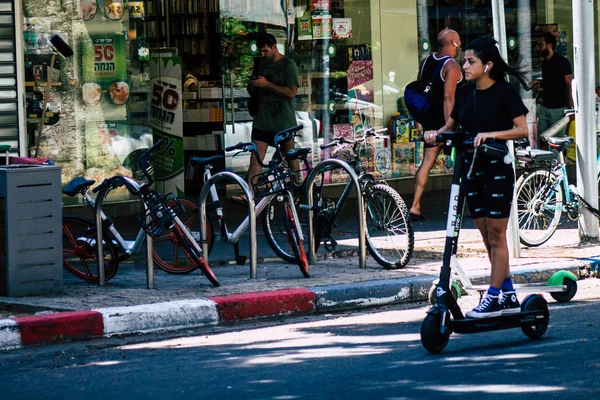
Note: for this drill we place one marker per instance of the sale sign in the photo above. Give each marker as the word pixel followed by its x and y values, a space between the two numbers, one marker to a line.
pixel 104 60
pixel 305 27
pixel 166 119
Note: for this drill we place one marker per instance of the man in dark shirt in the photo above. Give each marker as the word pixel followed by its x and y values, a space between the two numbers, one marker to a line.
pixel 444 86
pixel 556 84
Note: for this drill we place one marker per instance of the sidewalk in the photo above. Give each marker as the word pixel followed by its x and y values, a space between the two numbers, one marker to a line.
pixel 125 305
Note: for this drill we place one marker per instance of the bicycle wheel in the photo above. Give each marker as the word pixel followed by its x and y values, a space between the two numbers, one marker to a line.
pixel 275 231
pixel 168 252
pixel 539 206
pixel 294 239
pixel 390 236
pixel 80 255
pixel 192 254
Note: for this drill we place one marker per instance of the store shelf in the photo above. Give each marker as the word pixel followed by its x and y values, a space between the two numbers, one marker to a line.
pixel 33 84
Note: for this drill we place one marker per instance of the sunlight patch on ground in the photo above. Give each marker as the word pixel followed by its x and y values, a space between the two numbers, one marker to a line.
pixel 492 358
pixel 296 335
pixel 311 354
pixel 382 242
pixel 496 389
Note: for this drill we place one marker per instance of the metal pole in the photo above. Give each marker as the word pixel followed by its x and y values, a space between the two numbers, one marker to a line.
pixel 585 111
pixel 308 195
pixel 149 258
pixel 99 249
pixel 229 176
pixel 500 36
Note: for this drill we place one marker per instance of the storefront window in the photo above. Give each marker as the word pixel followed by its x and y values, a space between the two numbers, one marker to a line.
pixel 126 81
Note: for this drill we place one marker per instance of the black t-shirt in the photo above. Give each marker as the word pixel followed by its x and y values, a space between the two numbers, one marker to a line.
pixel 495 109
pixel 553 81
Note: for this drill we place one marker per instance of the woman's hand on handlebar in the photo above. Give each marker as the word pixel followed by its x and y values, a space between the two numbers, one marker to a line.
pixel 430 137
pixel 481 138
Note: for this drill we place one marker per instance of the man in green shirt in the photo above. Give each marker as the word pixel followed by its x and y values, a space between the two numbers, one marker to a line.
pixel 277 83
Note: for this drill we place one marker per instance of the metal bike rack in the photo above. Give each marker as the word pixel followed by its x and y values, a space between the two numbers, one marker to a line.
pixel 100 253
pixel 226 175
pixel 308 193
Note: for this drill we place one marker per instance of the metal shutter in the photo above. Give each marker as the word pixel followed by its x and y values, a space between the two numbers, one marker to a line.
pixel 12 118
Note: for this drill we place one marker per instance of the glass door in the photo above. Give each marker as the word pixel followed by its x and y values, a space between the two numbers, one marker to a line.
pixel 239 22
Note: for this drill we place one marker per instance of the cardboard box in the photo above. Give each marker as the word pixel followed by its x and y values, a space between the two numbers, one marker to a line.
pixel 403 159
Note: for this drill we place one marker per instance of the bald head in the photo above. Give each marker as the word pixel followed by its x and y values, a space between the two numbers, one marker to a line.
pixel 448 42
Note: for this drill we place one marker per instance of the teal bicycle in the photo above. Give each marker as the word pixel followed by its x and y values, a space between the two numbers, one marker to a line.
pixel 543 192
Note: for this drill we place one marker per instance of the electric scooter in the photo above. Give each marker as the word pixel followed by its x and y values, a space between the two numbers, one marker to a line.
pixel 446 317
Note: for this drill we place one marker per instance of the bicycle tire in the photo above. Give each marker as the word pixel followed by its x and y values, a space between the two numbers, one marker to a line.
pixel 274 228
pixel 294 240
pixel 389 232
pixel 537 224
pixel 193 255
pixel 275 231
pixel 167 251
pixel 79 250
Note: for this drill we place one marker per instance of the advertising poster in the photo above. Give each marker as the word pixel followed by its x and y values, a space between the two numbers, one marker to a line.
pixel 361 94
pixel 321 25
pixel 321 4
pixel 342 28
pixel 166 119
pixel 305 27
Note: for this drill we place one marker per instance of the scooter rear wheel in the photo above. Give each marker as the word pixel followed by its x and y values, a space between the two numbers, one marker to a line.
pixel 431 338
pixel 535 302
pixel 567 295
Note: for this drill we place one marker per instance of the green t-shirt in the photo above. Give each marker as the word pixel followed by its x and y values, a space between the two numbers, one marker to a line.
pixel 276 113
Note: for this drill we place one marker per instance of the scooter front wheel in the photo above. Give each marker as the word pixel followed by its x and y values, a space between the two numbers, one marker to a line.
pixel 432 293
pixel 432 338
pixel 538 326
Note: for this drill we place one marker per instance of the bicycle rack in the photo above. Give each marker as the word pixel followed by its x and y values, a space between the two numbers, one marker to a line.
pixel 100 253
pixel 226 175
pixel 308 193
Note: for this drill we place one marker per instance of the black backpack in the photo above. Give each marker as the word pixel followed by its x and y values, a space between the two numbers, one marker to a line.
pixel 416 95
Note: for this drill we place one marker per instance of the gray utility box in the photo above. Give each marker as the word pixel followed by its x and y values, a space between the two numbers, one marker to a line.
pixel 30 230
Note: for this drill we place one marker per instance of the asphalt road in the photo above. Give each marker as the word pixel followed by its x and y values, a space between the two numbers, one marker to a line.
pixel 375 355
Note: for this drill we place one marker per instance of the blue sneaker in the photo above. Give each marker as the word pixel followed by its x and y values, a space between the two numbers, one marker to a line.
pixel 509 304
pixel 488 307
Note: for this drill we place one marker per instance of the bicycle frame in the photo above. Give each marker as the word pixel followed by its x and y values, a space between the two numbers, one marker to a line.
pixel 128 247
pixel 233 238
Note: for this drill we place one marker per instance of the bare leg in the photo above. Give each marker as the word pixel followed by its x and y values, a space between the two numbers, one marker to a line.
pixel 429 156
pixel 255 167
pixel 493 231
pixel 285 147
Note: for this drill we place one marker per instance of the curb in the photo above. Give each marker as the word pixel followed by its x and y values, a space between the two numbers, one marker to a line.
pixel 172 315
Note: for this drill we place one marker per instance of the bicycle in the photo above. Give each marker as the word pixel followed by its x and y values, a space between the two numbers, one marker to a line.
pixel 175 249
pixel 543 193
pixel 276 182
pixel 389 232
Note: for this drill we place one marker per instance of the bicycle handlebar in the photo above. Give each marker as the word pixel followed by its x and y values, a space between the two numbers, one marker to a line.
pixel 287 134
pixel 369 132
pixel 279 138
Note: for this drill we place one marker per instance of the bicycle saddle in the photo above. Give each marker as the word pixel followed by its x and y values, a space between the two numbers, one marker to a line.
pixel 295 154
pixel 560 143
pixel 76 185
pixel 200 161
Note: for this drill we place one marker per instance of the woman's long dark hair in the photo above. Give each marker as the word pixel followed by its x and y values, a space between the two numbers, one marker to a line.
pixel 486 50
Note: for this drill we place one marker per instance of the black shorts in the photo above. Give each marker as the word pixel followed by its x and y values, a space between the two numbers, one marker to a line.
pixel 489 192
pixel 264 136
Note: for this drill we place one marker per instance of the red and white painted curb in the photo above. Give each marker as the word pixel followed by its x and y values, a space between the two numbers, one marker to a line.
pixel 172 315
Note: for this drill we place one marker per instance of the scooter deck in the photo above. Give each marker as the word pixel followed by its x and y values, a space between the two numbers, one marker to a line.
pixel 526 288
pixel 475 325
